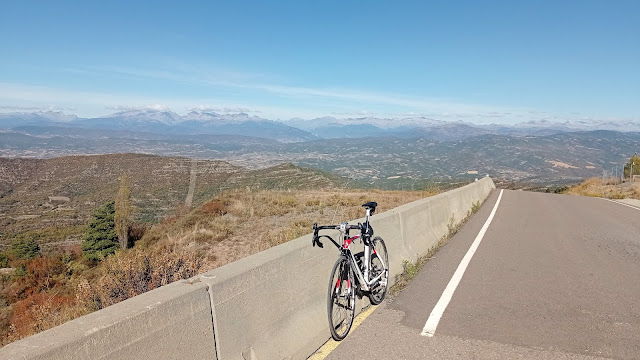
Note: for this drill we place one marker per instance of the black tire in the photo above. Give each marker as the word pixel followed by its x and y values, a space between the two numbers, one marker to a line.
pixel 341 299
pixel 379 256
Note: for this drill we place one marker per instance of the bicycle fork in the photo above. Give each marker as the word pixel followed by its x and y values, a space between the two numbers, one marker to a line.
pixel 344 292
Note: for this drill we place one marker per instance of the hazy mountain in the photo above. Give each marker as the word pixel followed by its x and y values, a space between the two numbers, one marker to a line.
pixel 336 131
pixel 299 130
pixel 9 120
pixel 446 132
pixel 437 131
pixel 212 117
pixel 75 132
pixel 383 123
pixel 167 122
pixel 135 120
pixel 331 127
pixel 240 124
pixel 581 125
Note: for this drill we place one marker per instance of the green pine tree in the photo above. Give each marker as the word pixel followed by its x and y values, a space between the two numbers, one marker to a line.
pixel 101 239
pixel 25 247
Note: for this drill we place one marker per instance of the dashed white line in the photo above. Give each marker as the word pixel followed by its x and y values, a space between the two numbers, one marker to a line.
pixel 434 318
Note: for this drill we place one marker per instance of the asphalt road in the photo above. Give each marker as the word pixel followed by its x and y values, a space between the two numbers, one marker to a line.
pixel 555 277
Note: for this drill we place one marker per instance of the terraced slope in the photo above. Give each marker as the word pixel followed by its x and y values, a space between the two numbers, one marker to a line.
pixel 59 194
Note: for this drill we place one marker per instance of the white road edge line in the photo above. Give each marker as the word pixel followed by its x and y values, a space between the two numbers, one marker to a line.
pixel 434 318
pixel 621 203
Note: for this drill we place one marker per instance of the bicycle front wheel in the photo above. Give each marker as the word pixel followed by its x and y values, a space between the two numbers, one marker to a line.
pixel 379 267
pixel 341 304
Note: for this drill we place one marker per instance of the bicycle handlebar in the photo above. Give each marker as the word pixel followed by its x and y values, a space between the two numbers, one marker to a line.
pixel 316 229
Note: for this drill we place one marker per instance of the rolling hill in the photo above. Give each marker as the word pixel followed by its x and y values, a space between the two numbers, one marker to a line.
pixel 52 194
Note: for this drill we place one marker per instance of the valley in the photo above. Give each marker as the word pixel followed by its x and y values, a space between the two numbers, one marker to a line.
pixel 384 162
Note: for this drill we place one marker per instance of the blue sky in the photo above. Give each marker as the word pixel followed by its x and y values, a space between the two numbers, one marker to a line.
pixel 477 61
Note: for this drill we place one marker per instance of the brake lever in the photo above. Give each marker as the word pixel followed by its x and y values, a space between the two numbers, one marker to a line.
pixel 316 238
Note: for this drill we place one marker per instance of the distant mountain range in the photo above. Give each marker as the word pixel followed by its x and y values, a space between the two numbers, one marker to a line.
pixel 332 127
pixel 373 151
pixel 165 122
pixel 300 130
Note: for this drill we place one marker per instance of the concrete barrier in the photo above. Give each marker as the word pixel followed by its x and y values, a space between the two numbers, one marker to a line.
pixel 271 305
pixel 165 323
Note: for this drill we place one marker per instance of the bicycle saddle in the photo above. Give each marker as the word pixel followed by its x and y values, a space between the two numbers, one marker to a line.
pixel 370 205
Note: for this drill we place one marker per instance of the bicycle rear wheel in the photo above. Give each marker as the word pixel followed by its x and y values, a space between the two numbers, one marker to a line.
pixel 379 262
pixel 341 301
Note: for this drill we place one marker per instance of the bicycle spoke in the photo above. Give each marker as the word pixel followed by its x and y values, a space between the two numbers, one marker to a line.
pixel 340 300
pixel 379 263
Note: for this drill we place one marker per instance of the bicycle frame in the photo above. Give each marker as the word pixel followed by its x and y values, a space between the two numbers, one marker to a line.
pixel 362 276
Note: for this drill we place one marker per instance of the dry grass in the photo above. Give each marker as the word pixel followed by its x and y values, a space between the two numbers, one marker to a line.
pixel 609 188
pixel 54 289
pixel 134 272
pixel 239 223
pixel 40 312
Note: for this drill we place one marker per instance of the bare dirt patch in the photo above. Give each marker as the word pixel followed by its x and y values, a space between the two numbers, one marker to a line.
pixel 561 164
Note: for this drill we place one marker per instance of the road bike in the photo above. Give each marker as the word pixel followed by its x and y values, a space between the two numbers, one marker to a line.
pixel 363 273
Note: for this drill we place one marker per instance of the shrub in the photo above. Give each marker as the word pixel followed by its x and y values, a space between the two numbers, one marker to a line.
pixel 475 207
pixel 101 239
pixel 4 260
pixel 25 248
pixel 43 272
pixel 214 207
pixel 136 232
pixel 41 311
pixel 131 273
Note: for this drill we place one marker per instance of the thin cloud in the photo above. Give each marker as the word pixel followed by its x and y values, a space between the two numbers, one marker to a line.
pixel 229 79
pixel 91 103
pixel 35 108
pixel 361 113
pixel 208 108
pixel 22 92
pixel 155 107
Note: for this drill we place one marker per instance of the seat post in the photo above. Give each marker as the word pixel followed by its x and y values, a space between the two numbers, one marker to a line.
pixel 367 249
